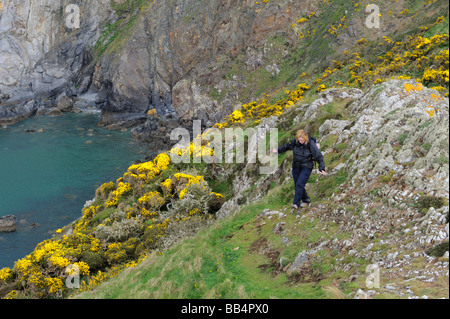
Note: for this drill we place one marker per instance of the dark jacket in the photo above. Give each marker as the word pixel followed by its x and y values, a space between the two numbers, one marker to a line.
pixel 304 154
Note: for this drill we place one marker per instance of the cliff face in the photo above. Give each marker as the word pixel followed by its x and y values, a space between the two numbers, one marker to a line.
pixel 187 59
pixel 28 31
pixel 177 50
pixel 39 52
pixel 163 55
pixel 41 56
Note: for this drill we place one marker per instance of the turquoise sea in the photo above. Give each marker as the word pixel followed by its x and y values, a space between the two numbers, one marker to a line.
pixel 47 176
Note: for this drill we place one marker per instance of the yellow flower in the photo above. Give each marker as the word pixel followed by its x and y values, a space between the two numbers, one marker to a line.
pixel 5 274
pixel 122 189
pixel 321 88
pixel 151 112
pixel 217 195
pixel 152 199
pixel 237 117
pixel 58 261
pixel 162 161
pixel 53 284
pixel 82 267
pixel 191 180
pixel 12 295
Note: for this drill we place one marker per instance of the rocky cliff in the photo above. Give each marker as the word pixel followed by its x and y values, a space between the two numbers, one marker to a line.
pixel 185 59
pixel 176 51
pixel 43 52
pixel 133 55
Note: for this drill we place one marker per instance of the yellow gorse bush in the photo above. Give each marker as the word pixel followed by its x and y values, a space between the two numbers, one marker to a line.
pixel 43 271
pixel 59 261
pixel 152 199
pixel 190 180
pixel 122 189
pixel 167 187
pixel 438 76
pixel 5 274
pixel 261 108
pixel 162 161
pixel 105 189
pixel 144 173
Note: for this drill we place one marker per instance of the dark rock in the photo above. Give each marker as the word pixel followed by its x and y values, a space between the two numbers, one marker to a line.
pixel 170 65
pixel 241 200
pixel 215 204
pixel 3 97
pixel 55 112
pixel 11 115
pixel 117 121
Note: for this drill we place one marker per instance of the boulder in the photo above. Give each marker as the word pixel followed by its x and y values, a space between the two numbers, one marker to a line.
pixel 333 127
pixel 8 224
pixel 54 112
pixel 299 261
pixel 22 110
pixel 65 104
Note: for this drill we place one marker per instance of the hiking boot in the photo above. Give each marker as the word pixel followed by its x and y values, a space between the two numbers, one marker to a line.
pixel 294 206
pixel 307 201
pixel 303 204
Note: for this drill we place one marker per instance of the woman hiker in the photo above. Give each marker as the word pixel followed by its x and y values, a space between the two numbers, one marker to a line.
pixel 305 153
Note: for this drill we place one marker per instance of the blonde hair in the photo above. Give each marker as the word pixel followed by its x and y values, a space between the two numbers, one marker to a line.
pixel 302 134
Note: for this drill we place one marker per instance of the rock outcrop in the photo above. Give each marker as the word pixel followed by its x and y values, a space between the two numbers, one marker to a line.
pixel 392 200
pixel 41 56
pixel 8 224
pixel 166 55
pixel 175 53
pixel 402 129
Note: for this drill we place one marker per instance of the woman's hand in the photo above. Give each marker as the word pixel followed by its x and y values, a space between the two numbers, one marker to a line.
pixel 275 150
pixel 323 173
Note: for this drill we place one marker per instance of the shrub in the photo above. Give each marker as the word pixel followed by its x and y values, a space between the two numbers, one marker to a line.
pixel 95 260
pixel 425 202
pixel 123 189
pixel 196 196
pixel 438 250
pixel 104 190
pixel 152 200
pixel 5 275
pixel 116 254
pixel 119 230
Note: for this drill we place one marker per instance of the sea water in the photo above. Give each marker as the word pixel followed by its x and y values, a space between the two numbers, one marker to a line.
pixel 49 168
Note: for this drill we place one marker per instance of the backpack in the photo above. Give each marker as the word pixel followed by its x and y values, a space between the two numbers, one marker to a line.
pixel 318 146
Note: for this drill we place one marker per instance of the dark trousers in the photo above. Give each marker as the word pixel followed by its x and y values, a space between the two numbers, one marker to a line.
pixel 301 176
